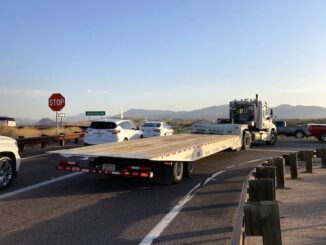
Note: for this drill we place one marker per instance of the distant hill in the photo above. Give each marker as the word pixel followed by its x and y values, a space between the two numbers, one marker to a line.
pixel 299 112
pixel 210 113
pixel 45 122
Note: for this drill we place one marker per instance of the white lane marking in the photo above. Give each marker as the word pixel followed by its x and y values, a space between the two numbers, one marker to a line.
pixel 278 150
pixel 256 160
pixel 32 187
pixel 160 227
pixel 41 155
pixel 230 166
pixel 251 161
pixel 213 176
pixel 244 163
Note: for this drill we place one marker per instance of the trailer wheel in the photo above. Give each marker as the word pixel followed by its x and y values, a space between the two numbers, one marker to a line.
pixel 273 139
pixel 246 141
pixel 177 171
pixel 189 169
pixel 322 138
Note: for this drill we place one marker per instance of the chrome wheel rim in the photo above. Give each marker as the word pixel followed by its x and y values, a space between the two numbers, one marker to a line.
pixel 6 172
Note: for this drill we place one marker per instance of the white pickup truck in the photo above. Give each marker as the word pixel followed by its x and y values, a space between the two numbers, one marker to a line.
pixel 9 161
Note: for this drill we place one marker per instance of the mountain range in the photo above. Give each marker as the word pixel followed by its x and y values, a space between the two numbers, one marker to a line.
pixel 208 113
pixel 222 111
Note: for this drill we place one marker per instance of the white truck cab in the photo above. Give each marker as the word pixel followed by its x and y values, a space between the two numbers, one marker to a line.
pixel 9 161
pixel 254 117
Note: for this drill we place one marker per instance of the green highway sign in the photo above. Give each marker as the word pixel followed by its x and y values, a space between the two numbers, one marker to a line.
pixel 95 113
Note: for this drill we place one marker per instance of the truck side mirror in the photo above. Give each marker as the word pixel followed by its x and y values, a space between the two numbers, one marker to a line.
pixel 272 113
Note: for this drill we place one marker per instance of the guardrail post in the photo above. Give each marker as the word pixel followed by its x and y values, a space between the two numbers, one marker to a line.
pixel 263 219
pixel 280 172
pixel 76 140
pixel 270 215
pixel 300 156
pixel 287 159
pixel 61 141
pixel 322 154
pixel 43 142
pixel 21 147
pixel 308 160
pixel 293 165
pixel 261 190
pixel 266 172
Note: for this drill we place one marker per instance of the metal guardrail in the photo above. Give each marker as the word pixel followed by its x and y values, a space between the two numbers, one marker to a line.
pixel 46 139
pixel 251 223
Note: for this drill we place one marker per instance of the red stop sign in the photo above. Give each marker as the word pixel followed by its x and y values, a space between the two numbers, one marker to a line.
pixel 56 102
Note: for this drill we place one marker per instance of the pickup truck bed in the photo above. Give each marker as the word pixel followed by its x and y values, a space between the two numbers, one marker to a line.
pixel 182 147
pixel 318 130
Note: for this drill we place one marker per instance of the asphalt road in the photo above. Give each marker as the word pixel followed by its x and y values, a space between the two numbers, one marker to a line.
pixel 45 206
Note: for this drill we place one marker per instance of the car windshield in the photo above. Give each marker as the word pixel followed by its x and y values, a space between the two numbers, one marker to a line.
pixel 103 125
pixel 153 125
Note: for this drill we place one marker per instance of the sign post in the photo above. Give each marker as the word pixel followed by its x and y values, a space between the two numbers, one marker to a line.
pixel 61 115
pixel 56 103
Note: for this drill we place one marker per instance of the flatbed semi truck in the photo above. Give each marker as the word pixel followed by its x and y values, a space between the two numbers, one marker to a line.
pixel 169 159
pixel 163 159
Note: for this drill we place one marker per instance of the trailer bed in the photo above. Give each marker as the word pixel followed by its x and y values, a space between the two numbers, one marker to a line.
pixel 181 147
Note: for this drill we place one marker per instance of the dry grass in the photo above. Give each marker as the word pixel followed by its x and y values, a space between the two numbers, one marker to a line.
pixel 34 132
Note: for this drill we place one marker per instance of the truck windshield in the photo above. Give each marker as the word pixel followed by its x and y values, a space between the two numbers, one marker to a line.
pixel 103 125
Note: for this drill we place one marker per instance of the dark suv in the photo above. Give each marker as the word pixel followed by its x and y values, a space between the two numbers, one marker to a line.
pixel 299 131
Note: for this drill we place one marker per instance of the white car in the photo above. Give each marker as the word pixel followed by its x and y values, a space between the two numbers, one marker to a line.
pixel 152 129
pixel 111 130
pixel 9 161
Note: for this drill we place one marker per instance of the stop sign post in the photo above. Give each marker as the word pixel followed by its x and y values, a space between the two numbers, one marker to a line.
pixel 57 102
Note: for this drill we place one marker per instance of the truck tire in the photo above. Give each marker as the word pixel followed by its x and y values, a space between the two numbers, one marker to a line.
pixel 322 138
pixel 177 171
pixel 6 172
pixel 189 169
pixel 299 134
pixel 246 141
pixel 273 139
pixel 169 174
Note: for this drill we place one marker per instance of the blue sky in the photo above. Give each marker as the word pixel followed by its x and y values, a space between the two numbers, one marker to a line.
pixel 159 54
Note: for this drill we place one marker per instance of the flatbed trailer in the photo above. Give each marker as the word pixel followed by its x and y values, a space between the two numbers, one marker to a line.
pixel 164 159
